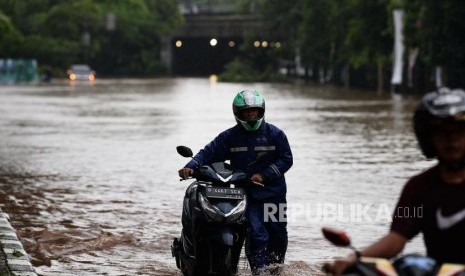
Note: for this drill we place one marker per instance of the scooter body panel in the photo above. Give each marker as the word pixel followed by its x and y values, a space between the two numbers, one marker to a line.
pixel 208 239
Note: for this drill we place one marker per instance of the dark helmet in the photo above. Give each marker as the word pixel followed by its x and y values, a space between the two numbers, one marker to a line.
pixel 249 99
pixel 436 107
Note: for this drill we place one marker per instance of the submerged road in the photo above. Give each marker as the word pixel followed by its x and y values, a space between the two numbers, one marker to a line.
pixel 88 172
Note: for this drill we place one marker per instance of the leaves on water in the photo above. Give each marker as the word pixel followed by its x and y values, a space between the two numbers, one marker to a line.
pixel 17 253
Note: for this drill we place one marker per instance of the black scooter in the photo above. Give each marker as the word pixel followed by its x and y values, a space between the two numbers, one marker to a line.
pixel 213 220
pixel 407 265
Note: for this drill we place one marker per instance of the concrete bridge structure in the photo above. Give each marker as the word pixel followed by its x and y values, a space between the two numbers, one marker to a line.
pixel 208 40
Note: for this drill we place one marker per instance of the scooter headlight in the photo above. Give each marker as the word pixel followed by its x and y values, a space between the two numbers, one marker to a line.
pixel 236 212
pixel 211 210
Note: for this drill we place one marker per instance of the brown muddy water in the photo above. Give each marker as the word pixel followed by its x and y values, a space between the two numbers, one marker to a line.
pixel 88 173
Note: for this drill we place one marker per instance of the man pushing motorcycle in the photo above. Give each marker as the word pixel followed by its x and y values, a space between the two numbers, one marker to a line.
pixel 266 240
pixel 439 126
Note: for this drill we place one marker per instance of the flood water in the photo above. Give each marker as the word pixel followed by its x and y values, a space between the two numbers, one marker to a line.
pixel 88 173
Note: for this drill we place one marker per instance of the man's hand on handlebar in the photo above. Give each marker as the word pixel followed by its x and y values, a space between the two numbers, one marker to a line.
pixel 184 173
pixel 257 178
pixel 339 266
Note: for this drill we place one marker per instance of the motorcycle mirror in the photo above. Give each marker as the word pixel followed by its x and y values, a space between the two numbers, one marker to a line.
pixel 184 151
pixel 336 237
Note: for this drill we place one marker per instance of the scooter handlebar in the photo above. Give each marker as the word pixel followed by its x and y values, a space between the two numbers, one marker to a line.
pixel 257 183
pixel 249 181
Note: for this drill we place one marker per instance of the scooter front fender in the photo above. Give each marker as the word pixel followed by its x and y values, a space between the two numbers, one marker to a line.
pixel 223 235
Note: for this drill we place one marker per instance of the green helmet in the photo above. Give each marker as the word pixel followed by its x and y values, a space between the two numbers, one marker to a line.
pixel 249 99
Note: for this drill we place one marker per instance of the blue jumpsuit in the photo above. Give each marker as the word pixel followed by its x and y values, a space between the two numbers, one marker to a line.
pixel 267 241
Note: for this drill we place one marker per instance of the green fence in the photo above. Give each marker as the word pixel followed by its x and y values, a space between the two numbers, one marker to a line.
pixel 14 71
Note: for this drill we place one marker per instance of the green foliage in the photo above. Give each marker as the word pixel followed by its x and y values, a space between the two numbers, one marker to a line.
pixel 248 6
pixel 368 39
pixel 437 28
pixel 316 32
pixel 9 38
pixel 8 7
pixel 48 50
pixel 60 33
pixel 5 24
pixel 69 19
pixel 166 16
pixel 17 253
pixel 133 48
pixel 327 34
pixel 241 70
pixel 331 34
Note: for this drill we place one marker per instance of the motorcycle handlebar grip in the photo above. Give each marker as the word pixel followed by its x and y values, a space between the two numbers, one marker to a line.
pixel 258 183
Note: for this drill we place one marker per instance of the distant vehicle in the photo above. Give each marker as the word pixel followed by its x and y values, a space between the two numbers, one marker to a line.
pixel 81 72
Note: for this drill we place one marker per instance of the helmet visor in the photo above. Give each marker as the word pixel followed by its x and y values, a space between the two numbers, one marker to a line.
pixel 251 114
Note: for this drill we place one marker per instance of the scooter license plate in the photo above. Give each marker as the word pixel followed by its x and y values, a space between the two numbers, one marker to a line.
pixel 226 193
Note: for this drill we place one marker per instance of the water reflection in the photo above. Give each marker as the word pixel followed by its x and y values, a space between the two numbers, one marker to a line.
pixel 88 173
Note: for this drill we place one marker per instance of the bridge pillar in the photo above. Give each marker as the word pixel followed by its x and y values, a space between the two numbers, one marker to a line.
pixel 166 53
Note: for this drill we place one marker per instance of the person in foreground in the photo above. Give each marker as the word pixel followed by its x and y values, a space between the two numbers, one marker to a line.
pixel 439 192
pixel 266 241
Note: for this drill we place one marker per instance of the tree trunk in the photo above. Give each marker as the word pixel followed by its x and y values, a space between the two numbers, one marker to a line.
pixel 380 80
pixel 346 77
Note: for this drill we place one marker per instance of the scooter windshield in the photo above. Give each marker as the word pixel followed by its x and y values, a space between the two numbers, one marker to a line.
pixel 223 169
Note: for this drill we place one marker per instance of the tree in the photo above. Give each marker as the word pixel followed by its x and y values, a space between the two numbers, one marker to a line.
pixel 317 35
pixel 436 28
pixel 369 40
pixel 9 37
pixel 134 46
pixel 283 19
pixel 60 33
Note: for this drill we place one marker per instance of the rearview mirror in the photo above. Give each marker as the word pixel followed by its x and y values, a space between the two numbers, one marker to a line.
pixel 184 151
pixel 336 237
